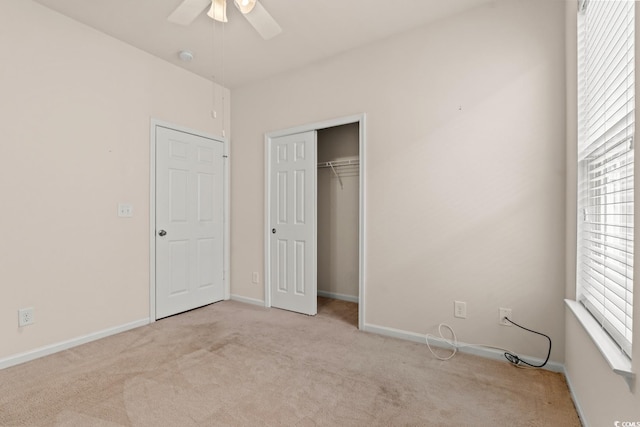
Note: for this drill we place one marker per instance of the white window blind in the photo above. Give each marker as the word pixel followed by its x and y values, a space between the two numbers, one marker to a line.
pixel 606 115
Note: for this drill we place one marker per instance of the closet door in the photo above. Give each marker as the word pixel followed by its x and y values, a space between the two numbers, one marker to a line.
pixel 293 223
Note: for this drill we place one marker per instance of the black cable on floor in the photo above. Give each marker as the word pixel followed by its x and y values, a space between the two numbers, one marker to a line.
pixel 513 358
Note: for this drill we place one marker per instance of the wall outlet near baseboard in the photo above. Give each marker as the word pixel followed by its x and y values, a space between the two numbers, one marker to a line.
pixel 460 309
pixel 25 316
pixel 504 313
pixel 255 278
pixel 125 210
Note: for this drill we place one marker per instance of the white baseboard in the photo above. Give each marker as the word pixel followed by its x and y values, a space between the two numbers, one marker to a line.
pixel 342 297
pixel 261 303
pixel 247 300
pixel 488 353
pixel 65 345
pixel 576 403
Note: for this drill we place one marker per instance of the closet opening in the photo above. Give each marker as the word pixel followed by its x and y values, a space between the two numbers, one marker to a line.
pixel 314 231
pixel 338 222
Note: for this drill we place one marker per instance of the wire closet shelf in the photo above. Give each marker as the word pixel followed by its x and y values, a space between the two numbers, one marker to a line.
pixel 350 165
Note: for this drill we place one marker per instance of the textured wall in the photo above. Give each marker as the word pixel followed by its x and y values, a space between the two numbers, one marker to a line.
pixel 76 108
pixel 465 173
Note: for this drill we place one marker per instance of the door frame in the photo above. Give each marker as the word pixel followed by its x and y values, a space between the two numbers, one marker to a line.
pixel 361 120
pixel 155 123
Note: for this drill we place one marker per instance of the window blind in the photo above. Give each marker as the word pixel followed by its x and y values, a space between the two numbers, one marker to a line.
pixel 606 116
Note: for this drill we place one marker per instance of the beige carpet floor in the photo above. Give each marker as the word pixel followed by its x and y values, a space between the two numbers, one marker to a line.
pixel 233 364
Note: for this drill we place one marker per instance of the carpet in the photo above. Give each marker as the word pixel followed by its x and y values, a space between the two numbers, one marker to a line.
pixel 234 364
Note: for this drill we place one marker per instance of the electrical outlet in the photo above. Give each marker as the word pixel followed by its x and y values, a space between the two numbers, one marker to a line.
pixel 125 210
pixel 25 316
pixel 255 277
pixel 460 309
pixel 503 313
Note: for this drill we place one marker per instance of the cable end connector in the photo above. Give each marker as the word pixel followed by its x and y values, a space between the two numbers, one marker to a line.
pixel 513 359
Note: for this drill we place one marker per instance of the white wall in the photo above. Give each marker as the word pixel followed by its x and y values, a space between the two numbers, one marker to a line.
pixel 602 395
pixel 465 170
pixel 76 108
pixel 338 213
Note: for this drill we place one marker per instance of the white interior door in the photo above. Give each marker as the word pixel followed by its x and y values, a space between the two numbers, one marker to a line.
pixel 189 221
pixel 293 223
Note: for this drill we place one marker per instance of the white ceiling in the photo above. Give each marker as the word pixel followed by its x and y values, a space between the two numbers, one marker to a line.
pixel 312 30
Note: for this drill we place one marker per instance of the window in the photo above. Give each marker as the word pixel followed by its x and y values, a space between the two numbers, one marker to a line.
pixel 606 118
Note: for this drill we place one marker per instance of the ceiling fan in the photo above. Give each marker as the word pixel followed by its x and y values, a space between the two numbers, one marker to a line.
pixel 252 10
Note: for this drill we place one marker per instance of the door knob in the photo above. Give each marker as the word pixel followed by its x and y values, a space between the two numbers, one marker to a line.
pixel 273 231
pixel 162 233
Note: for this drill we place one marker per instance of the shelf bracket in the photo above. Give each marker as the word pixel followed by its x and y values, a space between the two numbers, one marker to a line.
pixel 336 173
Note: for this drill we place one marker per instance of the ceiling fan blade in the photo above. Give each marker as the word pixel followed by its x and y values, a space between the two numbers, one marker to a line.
pixel 188 11
pixel 263 22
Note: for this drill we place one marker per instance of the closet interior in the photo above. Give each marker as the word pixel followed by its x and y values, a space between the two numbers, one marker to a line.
pixel 338 212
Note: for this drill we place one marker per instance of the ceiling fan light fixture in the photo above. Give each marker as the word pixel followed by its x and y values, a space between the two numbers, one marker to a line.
pixel 245 6
pixel 218 10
